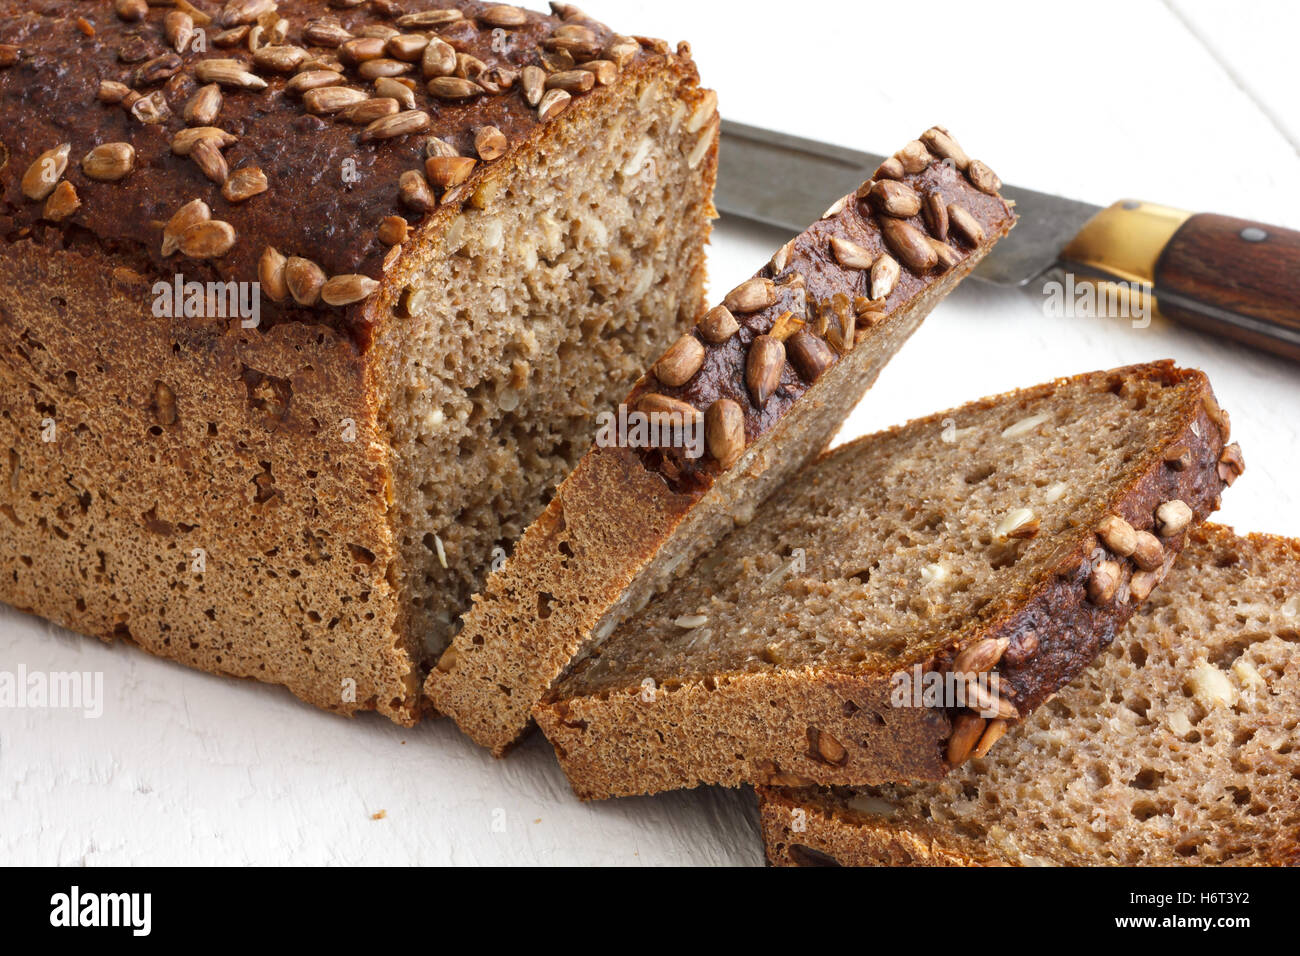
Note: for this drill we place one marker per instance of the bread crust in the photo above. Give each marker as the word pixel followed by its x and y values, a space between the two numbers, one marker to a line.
pixel 733 729
pixel 508 655
pixel 809 826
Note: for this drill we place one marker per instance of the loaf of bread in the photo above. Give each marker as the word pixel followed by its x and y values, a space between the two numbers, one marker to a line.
pixel 309 307
pixel 1177 749
pixel 1002 545
pixel 764 381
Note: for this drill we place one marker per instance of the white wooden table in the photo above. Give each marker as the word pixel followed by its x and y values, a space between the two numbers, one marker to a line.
pixel 1189 102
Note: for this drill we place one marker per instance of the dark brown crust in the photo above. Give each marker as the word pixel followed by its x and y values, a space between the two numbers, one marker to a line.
pixel 507 656
pixel 49 97
pixel 809 826
pixel 609 741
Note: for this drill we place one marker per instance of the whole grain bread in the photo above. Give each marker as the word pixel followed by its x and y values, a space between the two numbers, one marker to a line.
pixel 833 638
pixel 1178 748
pixel 471 225
pixel 769 376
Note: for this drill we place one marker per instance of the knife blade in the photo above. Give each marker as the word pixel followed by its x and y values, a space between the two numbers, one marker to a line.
pixel 1231 277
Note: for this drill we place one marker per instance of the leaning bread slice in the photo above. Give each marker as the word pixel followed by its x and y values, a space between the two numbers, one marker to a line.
pixel 975 560
pixel 760 387
pixel 1178 748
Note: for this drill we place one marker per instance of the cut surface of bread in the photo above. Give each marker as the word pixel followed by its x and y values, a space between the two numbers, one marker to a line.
pixel 438 289
pixel 898 558
pixel 1178 748
pixel 767 378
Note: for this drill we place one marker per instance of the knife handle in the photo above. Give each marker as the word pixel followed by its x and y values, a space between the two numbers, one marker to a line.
pixel 1229 277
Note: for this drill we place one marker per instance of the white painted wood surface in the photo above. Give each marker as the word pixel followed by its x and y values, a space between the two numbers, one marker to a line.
pixel 1191 103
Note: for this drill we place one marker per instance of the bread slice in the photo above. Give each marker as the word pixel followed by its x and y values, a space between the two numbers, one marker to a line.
pixel 309 495
pixel 1178 748
pixel 837 301
pixel 806 647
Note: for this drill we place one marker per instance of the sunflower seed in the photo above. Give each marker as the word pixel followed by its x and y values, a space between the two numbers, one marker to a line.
pixel 207 240
pixel 232 37
pixel 914 157
pixel 62 203
pixel 430 18
pixel 571 81
pixel 621 50
pixel 680 362
pixel 393 230
pixel 1103 582
pixel 110 91
pixel 399 124
pixel 752 295
pixel 109 162
pixel 1148 552
pixel 156 70
pixel 724 431
pixel 1178 457
pixel 849 254
pixel 280 59
pixel 413 191
pixel 433 146
pixel 374 69
pixel 237 12
pixel 360 49
pixel 503 15
pixel 557 61
pixel 891 168
pixel 992 734
pixel 652 402
pixel 947 255
pixel 228 73
pixel 1231 464
pixel 1143 583
pixel 1018 523
pixel 823 746
pixel 983 178
pixel 132 11
pixel 270 273
pixel 203 106
pixel 935 214
pixel 966 226
pixel 605 71
pixel 575 39
pixel 331 99
pixel 1217 415
pixel 454 88
pixel 304 280
pixel 152 109
pixel 908 244
pixel 894 199
pixel 185 140
pixel 884 276
pixel 244 184
pixel 1172 518
pixel 326 33
pixel 786 325
pixel 490 143
pixel 763 368
pixel 1117 535
pixel 945 147
pixel 967 729
pixel 809 355
pixel 985 700
pixel 533 80
pixel 208 158
pixel 193 212
pixel 446 171
pixel 781 258
pixel 409 47
pixel 347 289
pixel 980 657
pixel 718 325
pixel 387 88
pixel 44 174
pixel 439 59
pixel 368 111
pixel 552 104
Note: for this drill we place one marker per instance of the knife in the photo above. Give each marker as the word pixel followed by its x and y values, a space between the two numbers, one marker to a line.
pixel 1229 277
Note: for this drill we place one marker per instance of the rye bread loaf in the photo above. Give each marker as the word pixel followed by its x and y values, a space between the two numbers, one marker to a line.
pixel 472 226
pixel 1006 541
pixel 1178 748
pixel 768 376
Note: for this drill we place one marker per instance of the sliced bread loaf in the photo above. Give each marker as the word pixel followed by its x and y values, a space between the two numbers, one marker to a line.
pixel 1178 748
pixel 814 645
pixel 762 383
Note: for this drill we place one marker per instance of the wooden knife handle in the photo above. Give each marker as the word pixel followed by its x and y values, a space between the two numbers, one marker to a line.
pixel 1235 278
pixel 1229 277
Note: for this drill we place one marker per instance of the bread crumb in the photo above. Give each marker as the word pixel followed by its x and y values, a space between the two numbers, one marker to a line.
pixel 380 815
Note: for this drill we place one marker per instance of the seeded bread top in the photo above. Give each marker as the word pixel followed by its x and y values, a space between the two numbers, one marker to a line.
pixel 460 83
pixel 925 210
